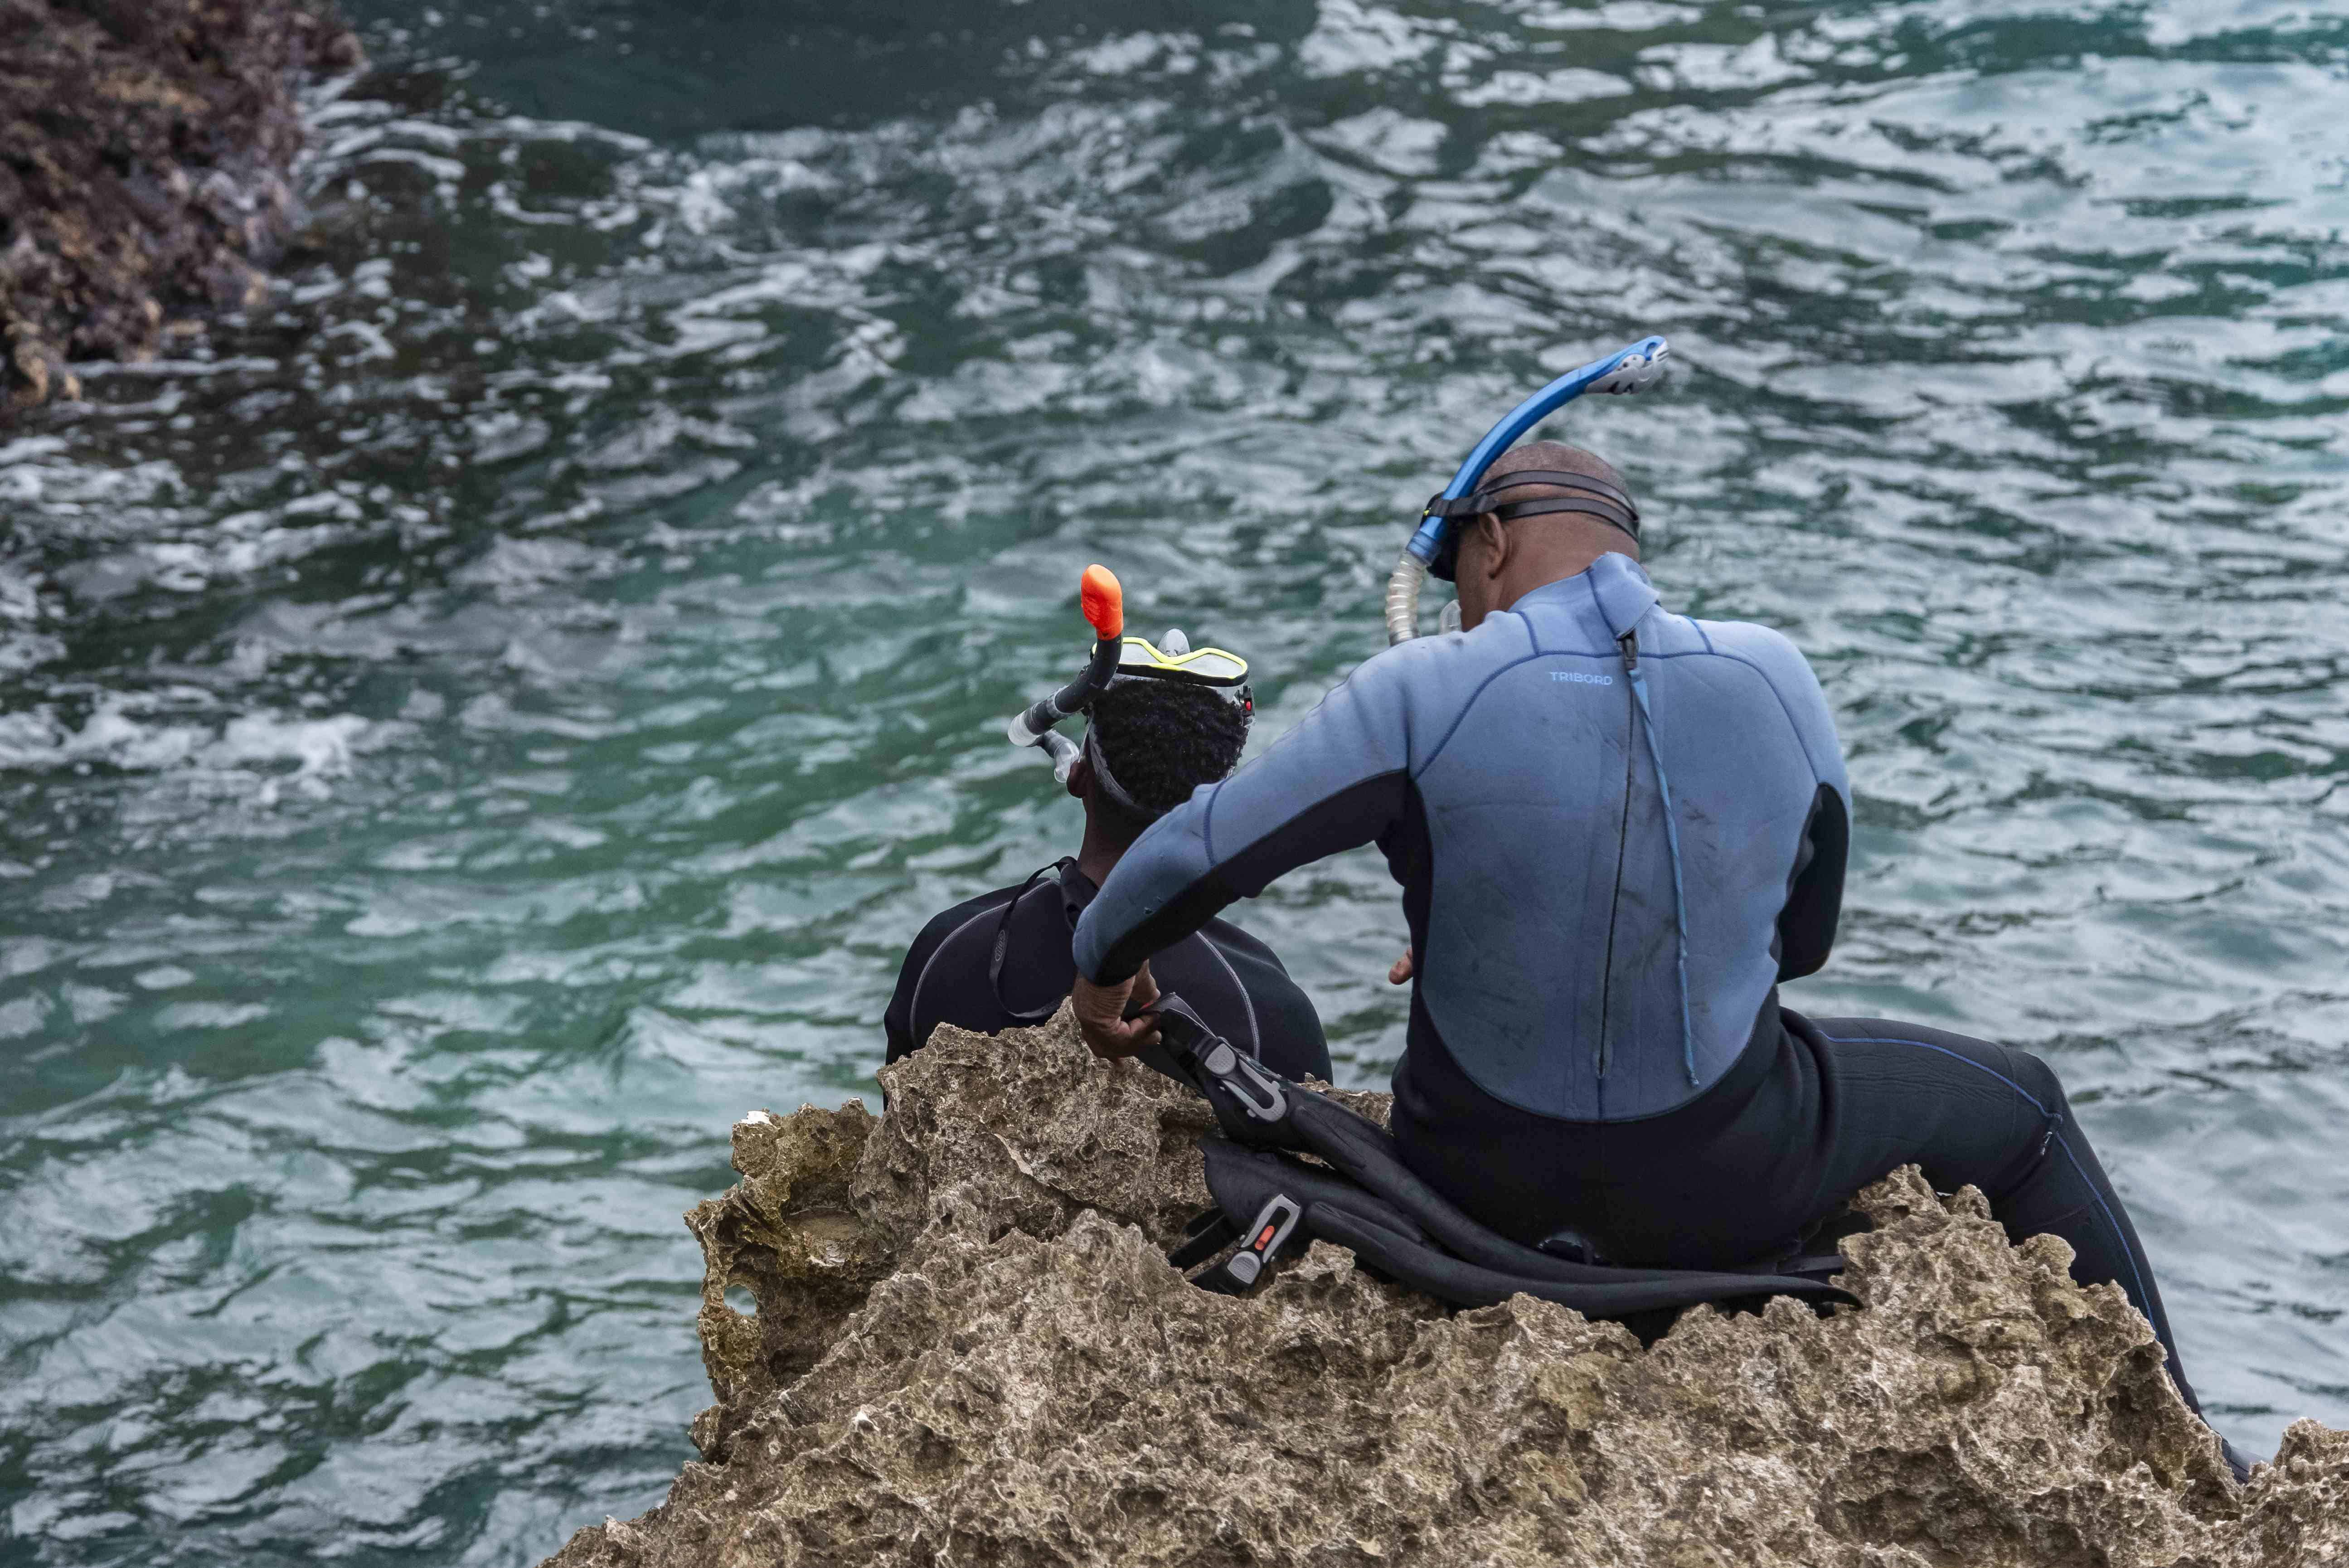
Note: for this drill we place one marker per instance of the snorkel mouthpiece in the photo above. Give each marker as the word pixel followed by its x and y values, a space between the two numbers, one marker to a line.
pixel 1631 370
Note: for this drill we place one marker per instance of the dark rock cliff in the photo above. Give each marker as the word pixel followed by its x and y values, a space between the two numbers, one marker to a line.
pixel 968 1349
pixel 144 146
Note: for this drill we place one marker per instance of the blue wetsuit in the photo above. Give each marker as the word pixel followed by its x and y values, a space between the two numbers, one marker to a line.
pixel 1504 772
pixel 1559 1071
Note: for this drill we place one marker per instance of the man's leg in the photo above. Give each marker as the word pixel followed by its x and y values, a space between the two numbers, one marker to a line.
pixel 1970 1112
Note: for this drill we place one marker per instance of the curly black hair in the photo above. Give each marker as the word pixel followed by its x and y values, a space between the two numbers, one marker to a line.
pixel 1163 740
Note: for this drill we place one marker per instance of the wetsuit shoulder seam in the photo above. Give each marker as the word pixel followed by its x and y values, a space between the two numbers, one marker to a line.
pixel 914 1003
pixel 1248 1002
pixel 1470 701
pixel 1460 717
pixel 1769 685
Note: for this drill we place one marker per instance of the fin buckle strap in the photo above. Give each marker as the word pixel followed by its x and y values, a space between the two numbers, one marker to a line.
pixel 1274 1224
pixel 1258 1092
pixel 1210 1231
pixel 1251 1103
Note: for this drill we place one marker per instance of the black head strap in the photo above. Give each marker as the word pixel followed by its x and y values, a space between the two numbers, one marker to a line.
pixel 1598 499
pixel 1108 780
pixel 1612 515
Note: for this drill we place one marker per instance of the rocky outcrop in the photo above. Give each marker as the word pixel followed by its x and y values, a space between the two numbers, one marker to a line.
pixel 144 146
pixel 968 1349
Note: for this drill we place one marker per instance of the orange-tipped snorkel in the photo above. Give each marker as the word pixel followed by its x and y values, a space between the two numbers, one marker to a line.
pixel 1103 603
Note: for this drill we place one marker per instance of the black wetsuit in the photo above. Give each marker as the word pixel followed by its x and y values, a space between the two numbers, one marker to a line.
pixel 951 975
pixel 1812 1111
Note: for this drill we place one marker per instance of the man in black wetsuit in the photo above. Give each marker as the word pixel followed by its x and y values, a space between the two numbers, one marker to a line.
pixel 1616 829
pixel 1001 960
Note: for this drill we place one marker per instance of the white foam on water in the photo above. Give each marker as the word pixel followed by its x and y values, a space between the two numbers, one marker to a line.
pixel 117 735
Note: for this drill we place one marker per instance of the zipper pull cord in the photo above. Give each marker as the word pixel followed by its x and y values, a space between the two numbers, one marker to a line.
pixel 1629 645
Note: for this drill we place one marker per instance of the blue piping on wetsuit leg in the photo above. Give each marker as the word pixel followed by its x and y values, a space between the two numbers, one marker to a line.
pixel 1671 841
pixel 2054 1136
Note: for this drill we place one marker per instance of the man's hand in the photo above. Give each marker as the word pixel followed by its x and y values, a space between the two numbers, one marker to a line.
pixel 1101 1014
pixel 1401 970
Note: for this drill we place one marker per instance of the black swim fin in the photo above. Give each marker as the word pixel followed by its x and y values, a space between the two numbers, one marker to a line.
pixel 1365 1198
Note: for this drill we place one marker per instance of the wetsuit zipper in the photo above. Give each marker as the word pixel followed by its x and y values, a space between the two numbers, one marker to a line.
pixel 1629 643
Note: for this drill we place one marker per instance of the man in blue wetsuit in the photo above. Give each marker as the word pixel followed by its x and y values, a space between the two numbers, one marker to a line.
pixel 1616 829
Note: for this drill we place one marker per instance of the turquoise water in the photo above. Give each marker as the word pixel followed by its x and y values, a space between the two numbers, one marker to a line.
pixel 470 735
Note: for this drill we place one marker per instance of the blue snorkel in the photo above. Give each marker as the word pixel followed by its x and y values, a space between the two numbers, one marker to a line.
pixel 1631 369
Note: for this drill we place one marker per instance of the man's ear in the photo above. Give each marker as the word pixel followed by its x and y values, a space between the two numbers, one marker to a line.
pixel 1496 543
pixel 1081 779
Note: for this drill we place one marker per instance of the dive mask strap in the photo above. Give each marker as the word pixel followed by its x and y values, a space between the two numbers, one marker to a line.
pixel 1596 499
pixel 1108 780
pixel 1481 498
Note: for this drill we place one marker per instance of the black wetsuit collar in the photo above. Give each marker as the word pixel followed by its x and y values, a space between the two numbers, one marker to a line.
pixel 1076 889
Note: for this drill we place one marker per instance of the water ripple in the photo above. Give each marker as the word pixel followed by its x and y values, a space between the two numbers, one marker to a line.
pixel 472 731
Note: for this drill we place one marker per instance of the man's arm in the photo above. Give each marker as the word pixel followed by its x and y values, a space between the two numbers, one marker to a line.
pixel 1337 779
pixel 1807 922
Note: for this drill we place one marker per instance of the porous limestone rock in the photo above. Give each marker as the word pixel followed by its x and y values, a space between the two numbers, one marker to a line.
pixel 144 146
pixel 968 1348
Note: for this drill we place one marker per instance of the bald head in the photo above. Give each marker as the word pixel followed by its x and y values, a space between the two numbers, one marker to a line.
pixel 1500 561
pixel 1557 457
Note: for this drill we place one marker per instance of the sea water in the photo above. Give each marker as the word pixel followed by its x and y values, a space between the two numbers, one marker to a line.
pixel 474 729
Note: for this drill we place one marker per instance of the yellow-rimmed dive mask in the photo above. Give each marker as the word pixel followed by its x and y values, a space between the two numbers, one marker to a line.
pixel 1116 657
pixel 1172 658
